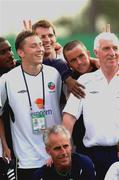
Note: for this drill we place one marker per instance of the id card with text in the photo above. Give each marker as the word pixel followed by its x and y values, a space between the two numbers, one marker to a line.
pixel 38 121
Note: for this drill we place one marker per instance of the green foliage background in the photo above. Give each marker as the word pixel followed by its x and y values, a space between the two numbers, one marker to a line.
pixel 87 39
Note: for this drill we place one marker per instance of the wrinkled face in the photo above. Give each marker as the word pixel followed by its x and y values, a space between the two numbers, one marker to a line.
pixel 6 55
pixel 48 38
pixel 60 151
pixel 108 53
pixel 78 59
pixel 32 51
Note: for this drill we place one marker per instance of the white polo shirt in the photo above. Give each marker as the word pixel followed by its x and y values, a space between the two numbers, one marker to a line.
pixel 100 109
pixel 113 172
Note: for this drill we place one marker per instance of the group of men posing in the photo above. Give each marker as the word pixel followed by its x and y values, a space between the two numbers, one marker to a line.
pixel 32 94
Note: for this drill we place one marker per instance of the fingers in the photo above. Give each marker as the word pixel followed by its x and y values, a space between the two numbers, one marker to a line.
pixel 49 162
pixel 106 28
pixel 30 24
pixel 79 93
pixel 80 85
pixel 27 25
pixel 78 90
pixel 7 154
pixel 24 23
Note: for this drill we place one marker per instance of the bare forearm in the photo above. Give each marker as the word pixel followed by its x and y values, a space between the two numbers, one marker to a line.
pixel 6 150
pixel 2 131
pixel 68 121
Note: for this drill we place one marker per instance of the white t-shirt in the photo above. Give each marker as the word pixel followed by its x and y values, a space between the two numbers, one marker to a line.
pixel 113 172
pixel 29 148
pixel 100 109
pixel 0 149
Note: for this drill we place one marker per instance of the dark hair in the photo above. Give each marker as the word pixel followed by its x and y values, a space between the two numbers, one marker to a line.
pixel 72 44
pixel 21 38
pixel 43 23
pixel 2 39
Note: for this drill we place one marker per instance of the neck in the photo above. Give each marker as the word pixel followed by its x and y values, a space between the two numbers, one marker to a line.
pixel 32 69
pixel 63 171
pixel 90 68
pixel 109 73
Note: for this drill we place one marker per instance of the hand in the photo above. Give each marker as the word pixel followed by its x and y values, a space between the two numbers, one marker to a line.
pixel 27 25
pixel 49 162
pixel 7 153
pixel 77 90
pixel 75 87
pixel 106 28
pixel 95 61
pixel 58 48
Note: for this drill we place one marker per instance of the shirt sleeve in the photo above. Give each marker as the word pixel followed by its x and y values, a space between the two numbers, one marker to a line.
pixel 63 69
pixel 3 96
pixel 73 106
pixel 113 172
pixel 61 66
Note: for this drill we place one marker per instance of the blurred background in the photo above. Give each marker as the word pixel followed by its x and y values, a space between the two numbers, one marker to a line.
pixel 73 19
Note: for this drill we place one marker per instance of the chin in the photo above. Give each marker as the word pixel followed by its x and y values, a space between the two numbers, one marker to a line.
pixel 82 72
pixel 65 163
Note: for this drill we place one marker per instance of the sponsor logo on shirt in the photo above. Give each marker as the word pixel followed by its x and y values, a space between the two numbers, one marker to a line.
pixel 39 103
pixel 94 92
pixel 22 91
pixel 43 112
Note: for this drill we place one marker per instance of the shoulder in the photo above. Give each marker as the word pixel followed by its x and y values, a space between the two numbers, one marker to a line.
pixel 50 69
pixel 113 172
pixel 11 73
pixel 82 159
pixel 14 70
pixel 88 77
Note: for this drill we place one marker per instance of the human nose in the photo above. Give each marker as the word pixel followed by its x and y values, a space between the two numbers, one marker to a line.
pixel 112 52
pixel 40 48
pixel 47 38
pixel 78 60
pixel 63 150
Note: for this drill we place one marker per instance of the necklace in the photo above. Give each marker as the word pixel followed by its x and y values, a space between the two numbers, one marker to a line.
pixel 64 173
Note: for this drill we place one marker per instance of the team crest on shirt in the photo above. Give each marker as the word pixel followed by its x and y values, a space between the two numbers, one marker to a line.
pixel 51 86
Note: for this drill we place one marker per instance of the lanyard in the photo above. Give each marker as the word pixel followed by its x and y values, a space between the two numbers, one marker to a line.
pixel 43 87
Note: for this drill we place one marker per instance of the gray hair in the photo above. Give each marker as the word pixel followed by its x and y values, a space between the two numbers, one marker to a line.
pixel 105 36
pixel 56 129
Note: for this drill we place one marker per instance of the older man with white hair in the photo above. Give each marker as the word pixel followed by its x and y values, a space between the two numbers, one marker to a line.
pixel 100 107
